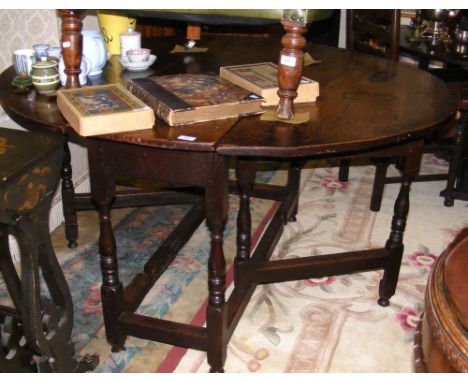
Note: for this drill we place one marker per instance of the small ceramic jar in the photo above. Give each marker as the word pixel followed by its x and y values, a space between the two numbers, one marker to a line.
pixel 45 76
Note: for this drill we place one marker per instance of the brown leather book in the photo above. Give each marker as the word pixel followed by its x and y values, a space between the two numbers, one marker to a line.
pixel 190 98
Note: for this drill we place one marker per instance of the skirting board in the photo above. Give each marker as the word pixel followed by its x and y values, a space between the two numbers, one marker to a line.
pixel 56 213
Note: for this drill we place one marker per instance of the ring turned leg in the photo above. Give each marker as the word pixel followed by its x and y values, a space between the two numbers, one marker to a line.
pixel 394 243
pixel 216 200
pixel 68 199
pixel 103 193
pixel 245 175
pixel 455 161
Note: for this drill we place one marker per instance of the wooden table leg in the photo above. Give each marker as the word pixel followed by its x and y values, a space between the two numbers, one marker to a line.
pixel 456 160
pixel 290 65
pixel 216 205
pixel 68 199
pixel 103 194
pixel 245 176
pixel 394 243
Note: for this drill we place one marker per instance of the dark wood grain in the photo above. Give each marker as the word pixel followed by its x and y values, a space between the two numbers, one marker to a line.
pixel 368 107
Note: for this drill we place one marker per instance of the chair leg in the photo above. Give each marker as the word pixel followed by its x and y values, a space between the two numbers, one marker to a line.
pixel 379 183
pixel 455 161
pixel 343 173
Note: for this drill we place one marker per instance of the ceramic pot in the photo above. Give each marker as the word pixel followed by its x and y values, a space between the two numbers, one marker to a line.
pixel 45 76
pixel 112 25
pixel 95 51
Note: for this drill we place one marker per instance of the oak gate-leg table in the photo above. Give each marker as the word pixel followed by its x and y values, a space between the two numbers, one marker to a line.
pixel 369 107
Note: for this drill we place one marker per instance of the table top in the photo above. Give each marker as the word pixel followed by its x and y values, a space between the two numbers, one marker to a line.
pixel 364 102
pixel 13 146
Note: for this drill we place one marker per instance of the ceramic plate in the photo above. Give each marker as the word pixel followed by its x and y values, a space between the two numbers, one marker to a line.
pixel 137 67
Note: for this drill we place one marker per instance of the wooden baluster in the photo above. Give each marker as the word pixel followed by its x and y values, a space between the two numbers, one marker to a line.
pixel 394 243
pixel 103 194
pixel 216 215
pixel 455 161
pixel 68 199
pixel 245 175
pixel 290 65
pixel 72 45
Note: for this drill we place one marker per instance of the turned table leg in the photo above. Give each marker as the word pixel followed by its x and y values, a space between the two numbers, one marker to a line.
pixel 245 176
pixel 216 205
pixel 394 243
pixel 290 65
pixel 103 194
pixel 455 161
pixel 68 199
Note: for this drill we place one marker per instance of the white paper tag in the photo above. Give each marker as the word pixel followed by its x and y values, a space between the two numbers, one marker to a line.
pixel 288 61
pixel 186 138
pixel 66 44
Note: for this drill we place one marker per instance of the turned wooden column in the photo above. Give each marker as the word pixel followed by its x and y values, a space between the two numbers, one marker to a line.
pixel 394 243
pixel 72 45
pixel 290 65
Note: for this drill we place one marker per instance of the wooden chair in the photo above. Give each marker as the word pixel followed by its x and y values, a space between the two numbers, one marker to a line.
pixel 375 32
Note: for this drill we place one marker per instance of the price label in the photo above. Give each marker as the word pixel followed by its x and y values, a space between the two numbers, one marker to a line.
pixel 288 61
pixel 186 138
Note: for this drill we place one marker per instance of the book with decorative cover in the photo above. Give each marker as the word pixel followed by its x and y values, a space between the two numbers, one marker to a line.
pixel 103 109
pixel 262 78
pixel 188 98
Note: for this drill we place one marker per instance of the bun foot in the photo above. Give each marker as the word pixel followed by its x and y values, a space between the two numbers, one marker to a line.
pixel 72 244
pixel 382 301
pixel 117 348
pixel 221 370
pixel 292 219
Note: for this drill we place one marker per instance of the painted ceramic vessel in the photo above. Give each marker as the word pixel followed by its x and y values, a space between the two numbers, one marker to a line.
pixel 45 76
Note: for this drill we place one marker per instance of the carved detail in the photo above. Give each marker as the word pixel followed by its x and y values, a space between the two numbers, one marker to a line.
pixel 290 66
pixel 72 45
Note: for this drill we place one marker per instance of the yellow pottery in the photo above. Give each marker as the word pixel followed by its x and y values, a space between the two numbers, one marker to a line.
pixel 112 26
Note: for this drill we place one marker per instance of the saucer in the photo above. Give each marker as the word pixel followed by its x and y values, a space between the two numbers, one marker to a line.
pixel 137 66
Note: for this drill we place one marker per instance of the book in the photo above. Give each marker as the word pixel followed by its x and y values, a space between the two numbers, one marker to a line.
pixel 262 78
pixel 189 98
pixel 104 109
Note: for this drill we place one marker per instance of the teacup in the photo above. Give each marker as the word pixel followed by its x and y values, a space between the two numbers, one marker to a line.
pixel 138 55
pixel 23 60
pixel 41 51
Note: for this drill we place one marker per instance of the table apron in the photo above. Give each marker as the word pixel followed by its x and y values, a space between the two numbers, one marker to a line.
pixel 149 163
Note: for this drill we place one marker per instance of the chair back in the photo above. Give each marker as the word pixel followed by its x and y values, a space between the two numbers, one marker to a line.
pixel 374 31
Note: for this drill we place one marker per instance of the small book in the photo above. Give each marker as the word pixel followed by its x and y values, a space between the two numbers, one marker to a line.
pixel 262 78
pixel 104 109
pixel 189 98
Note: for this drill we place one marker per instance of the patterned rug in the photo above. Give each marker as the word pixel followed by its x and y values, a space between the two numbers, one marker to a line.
pixel 331 324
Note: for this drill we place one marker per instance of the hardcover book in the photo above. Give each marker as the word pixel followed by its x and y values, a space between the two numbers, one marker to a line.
pixel 189 98
pixel 103 109
pixel 262 78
